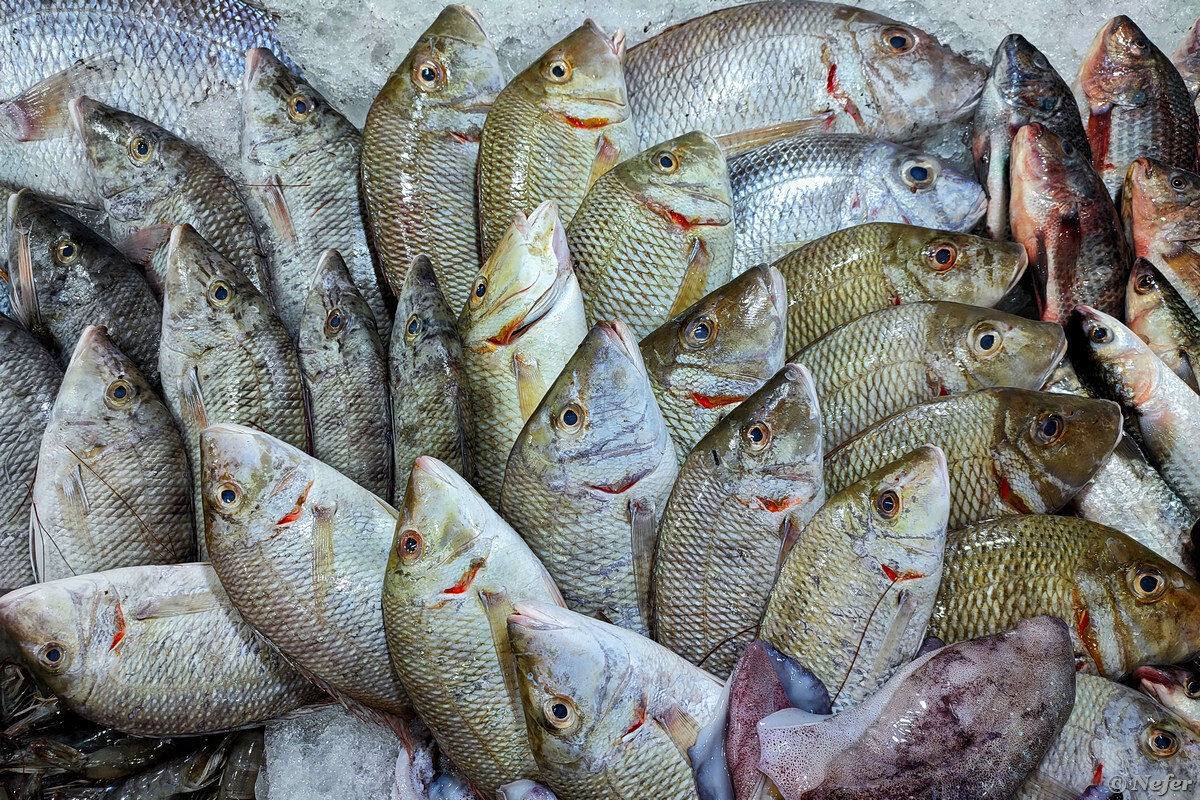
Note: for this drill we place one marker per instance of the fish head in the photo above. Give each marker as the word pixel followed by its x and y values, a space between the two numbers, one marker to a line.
pixel 723 347
pixel 1052 445
pixel 429 326
pixel 992 348
pixel 927 191
pixel 1161 206
pixel 52 244
pixel 1043 161
pixel 1029 83
pixel 1134 735
pixel 57 626
pixel 1143 293
pixel 1131 367
pixel 1176 688
pixel 203 293
pixel 101 385
pixel 284 119
pixel 954 266
pixel 252 486
pixel 583 699
pixel 1187 58
pixel 521 282
pixel 917 82
pixel 1118 66
pixel 334 311
pixel 685 179
pixel 580 80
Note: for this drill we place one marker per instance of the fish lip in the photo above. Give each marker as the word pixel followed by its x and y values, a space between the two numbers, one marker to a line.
pixel 473 14
pixel 87 339
pixel 968 105
pixel 621 337
pixel 1152 676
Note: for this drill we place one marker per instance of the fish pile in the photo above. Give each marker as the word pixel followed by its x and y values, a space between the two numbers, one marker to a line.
pixel 660 421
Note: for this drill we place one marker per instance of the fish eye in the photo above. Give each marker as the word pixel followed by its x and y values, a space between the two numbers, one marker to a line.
pixel 1048 103
pixel 1161 743
pixel 52 655
pixel 410 546
pixel 1039 61
pixel 335 323
pixel 757 436
pixel 570 419
pixel 428 74
pixel 666 161
pixel 1144 284
pixel 1177 182
pixel 1192 688
pixel 942 256
pixel 1067 148
pixel 1048 429
pixel 888 504
pixel 987 341
pixel 229 494
pixel 898 40
pixel 699 333
pixel 66 252
pixel 412 328
pixel 220 293
pixel 560 712
pixel 118 393
pixel 1100 334
pixel 1140 43
pixel 480 290
pixel 557 70
pixel 299 107
pixel 918 173
pixel 1148 584
pixel 140 149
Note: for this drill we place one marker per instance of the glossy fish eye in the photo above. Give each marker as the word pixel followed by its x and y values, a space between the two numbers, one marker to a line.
pixel 918 173
pixel 1148 584
pixel 229 494
pixel 220 293
pixel 66 252
pixel 1140 43
pixel 1192 688
pixel 1100 334
pixel 559 712
pixel 52 655
pixel 335 323
pixel 410 546
pixel 987 341
pixel 557 71
pixel 412 328
pixel 480 290
pixel 1067 148
pixel 1048 429
pixel 570 419
pixel 942 256
pixel 140 149
pixel 1040 61
pixel 757 436
pixel 1048 103
pixel 898 40
pixel 1177 182
pixel 299 107
pixel 1144 284
pixel 1161 743
pixel 699 333
pixel 888 504
pixel 666 161
pixel 428 75
pixel 118 393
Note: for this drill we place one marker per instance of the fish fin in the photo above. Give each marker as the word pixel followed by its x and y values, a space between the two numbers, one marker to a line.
pixel 644 531
pixel 322 549
pixel 141 245
pixel 889 654
pixel 271 195
pixel 789 534
pixel 733 144
pixel 22 289
pixel 680 726
pixel 1186 370
pixel 608 155
pixel 43 111
pixel 74 493
pixel 498 606
pixel 176 606
pixel 691 288
pixel 531 386
pixel 1041 785
pixel 191 401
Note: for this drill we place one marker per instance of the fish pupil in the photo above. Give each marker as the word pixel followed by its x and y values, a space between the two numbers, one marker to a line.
pixel 570 417
pixel 987 341
pixel 410 544
pixel 120 392
pixel 756 434
pixel 666 162
pixel 558 70
pixel 559 710
pixel 68 250
pixel 301 107
pixel 413 325
pixel 1177 182
pixel 1051 426
pixel 701 332
pixel 1100 334
pixel 1193 687
pixel 898 42
pixel 943 255
pixel 142 148
pixel 1162 741
pixel 480 289
pixel 1149 583
pixel 1048 103
pixel 918 174
pixel 1068 148
pixel 335 321
pixel 221 293
pixel 228 496
pixel 428 75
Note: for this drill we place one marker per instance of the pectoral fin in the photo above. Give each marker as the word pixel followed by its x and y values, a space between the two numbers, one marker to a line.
pixel 644 530
pixel 43 111
pixel 26 307
pixel 140 246
pixel 741 141
pixel 531 386
pixel 191 401
pixel 695 278
pixel 608 155
pixel 271 195
pixel 680 726
pixel 498 606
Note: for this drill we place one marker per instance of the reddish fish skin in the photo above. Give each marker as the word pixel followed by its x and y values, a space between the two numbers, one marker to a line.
pixel 1161 208
pixel 1135 104
pixel 1062 213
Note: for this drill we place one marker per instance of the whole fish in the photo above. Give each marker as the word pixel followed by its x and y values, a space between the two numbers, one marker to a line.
pixel 301 550
pixel 717 353
pixel 1156 313
pixel 346 373
pixel 112 487
pixel 1023 88
pixel 300 159
pixel 743 494
pixel 1125 605
pixel 149 180
pixel 882 538
pixel 844 275
pixel 1068 225
pixel 967 720
pixel 795 189
pixel 419 151
pixel 1176 688
pixel 519 328
pixel 1010 451
pixel 1135 104
pixel 225 356
pixel 1165 409
pixel 151 651
pixel 455 571
pixel 888 360
pixel 595 463
pixel 610 713
pixel 29 380
pixel 177 63
pixel 1117 738
pixel 655 233
pixel 858 70
pixel 65 278
pixel 431 400
pixel 570 102
pixel 1186 59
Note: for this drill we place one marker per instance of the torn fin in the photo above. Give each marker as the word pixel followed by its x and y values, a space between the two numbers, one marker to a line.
pixel 695 278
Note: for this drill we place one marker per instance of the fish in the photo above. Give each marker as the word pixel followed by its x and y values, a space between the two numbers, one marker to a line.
pixel 1175 688
pixel 1157 314
pixel 851 68
pixel 856 590
pixel 455 571
pixel 108 641
pixel 220 335
pixel 149 180
pixel 65 278
pixel 716 353
pixel 570 102
pixel 842 276
pixel 30 376
pixel 177 63
pixel 519 328
pixel 1063 216
pixel 888 360
pixel 1165 410
pixel 795 189
pixel 1023 88
pixel 1186 59
pixel 655 233
pixel 1119 739
pixel 610 713
pixel 431 397
pixel 1135 103
pixel 595 463
pixel 345 371
pixel 112 487
pixel 967 720
pixel 1010 451
pixel 300 160
pixel 300 548
pixel 1125 606
pixel 420 148
pixel 742 497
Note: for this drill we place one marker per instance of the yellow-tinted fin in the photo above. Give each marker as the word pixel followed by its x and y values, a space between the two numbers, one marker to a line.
pixel 739 142
pixel 645 535
pixel 140 246
pixel 608 155
pixel 680 726
pixel 531 386
pixel 498 607
pixel 176 605
pixel 691 288
pixel 271 195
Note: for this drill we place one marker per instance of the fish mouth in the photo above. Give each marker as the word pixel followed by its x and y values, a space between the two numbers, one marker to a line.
pixel 475 17
pixel 1152 677
pixel 623 339
pixel 968 105
pixel 88 339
